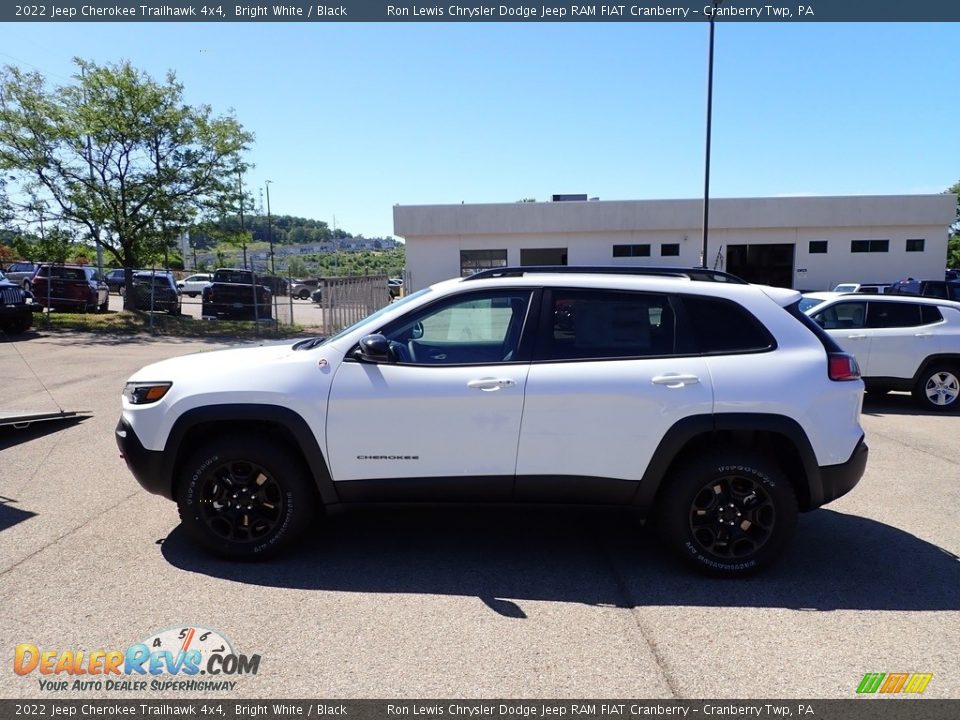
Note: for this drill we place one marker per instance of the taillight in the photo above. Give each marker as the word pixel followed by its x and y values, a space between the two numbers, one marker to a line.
pixel 842 366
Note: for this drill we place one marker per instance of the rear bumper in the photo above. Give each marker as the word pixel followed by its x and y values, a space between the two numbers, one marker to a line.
pixel 146 465
pixel 838 480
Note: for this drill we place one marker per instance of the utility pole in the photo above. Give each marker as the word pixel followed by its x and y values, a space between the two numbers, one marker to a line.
pixel 706 171
pixel 96 227
pixel 270 227
pixel 243 235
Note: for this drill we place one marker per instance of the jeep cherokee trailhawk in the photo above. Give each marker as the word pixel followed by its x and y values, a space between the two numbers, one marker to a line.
pixel 714 407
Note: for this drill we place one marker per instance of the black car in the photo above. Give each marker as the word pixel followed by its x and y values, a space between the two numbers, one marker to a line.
pixel 16 307
pixel 155 291
pixel 116 280
pixel 944 289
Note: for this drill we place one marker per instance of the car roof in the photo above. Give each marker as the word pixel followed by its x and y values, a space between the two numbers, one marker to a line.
pixel 921 299
pixel 626 281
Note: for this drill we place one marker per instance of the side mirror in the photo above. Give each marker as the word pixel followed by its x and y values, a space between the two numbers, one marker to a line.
pixel 374 349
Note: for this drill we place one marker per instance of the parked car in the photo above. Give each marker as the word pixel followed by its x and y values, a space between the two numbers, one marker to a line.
pixel 317 295
pixel 812 299
pixel 153 290
pixel 236 294
pixel 276 284
pixel 867 288
pixel 70 287
pixel 395 287
pixel 946 289
pixel 21 273
pixel 717 408
pixel 16 307
pixel 303 288
pixel 193 285
pixel 116 280
pixel 901 343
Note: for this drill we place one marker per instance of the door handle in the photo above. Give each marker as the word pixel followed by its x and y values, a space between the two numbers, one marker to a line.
pixel 490 384
pixel 859 336
pixel 675 380
pixel 922 335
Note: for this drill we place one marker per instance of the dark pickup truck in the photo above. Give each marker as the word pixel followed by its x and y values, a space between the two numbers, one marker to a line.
pixel 236 295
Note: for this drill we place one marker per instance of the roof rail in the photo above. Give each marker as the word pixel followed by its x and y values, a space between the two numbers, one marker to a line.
pixel 698 273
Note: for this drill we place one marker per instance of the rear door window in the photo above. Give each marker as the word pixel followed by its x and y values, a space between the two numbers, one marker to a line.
pixel 892 315
pixel 601 324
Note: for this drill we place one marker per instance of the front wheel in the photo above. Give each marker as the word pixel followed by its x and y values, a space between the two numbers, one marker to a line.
pixel 729 513
pixel 938 388
pixel 244 498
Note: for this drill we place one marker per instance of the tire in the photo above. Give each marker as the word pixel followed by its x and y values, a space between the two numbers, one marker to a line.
pixel 282 504
pixel 193 295
pixel 938 388
pixel 104 306
pixel 304 295
pixel 121 291
pixel 18 327
pixel 705 504
pixel 27 285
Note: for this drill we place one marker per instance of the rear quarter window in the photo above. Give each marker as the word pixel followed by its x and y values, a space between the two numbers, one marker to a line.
pixel 722 326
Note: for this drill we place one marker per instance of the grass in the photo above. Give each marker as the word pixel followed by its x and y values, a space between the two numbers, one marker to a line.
pixel 135 322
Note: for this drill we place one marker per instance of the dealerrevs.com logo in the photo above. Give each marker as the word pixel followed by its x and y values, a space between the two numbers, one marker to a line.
pixel 894 683
pixel 178 659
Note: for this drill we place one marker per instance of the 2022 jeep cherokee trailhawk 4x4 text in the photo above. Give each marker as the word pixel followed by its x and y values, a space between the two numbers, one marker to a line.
pixel 714 407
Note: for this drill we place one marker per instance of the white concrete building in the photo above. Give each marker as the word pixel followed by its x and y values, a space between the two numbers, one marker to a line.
pixel 809 243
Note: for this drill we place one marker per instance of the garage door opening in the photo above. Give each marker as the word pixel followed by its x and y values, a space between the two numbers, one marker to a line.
pixel 543 256
pixel 764 264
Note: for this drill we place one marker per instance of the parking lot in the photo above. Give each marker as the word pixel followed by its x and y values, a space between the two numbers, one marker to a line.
pixel 468 603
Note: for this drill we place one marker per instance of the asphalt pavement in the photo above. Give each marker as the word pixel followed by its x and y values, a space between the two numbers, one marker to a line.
pixel 481 603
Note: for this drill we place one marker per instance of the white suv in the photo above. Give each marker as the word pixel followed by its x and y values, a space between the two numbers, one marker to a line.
pixel 901 343
pixel 715 407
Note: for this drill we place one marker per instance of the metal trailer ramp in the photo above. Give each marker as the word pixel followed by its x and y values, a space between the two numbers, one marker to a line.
pixel 21 421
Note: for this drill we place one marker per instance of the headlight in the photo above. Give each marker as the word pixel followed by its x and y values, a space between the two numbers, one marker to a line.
pixel 144 393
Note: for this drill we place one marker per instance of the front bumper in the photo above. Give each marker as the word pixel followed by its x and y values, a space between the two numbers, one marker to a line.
pixel 838 480
pixel 147 466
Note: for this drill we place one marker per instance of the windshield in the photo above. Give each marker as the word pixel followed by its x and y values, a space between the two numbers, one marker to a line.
pixel 847 288
pixel 373 316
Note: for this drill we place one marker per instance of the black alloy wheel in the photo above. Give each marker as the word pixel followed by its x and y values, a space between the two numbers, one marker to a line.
pixel 732 517
pixel 241 502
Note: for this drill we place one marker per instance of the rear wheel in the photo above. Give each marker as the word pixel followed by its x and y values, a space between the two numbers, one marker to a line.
pixel 304 295
pixel 729 513
pixel 244 498
pixel 938 388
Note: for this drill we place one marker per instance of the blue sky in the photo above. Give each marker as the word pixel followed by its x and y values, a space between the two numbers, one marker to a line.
pixel 353 118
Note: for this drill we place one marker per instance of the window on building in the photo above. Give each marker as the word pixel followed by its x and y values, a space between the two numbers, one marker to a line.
pixel 631 251
pixel 473 261
pixel 670 249
pixel 863 246
pixel 915 245
pixel 818 247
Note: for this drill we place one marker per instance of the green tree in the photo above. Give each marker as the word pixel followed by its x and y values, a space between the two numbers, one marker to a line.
pixel 117 155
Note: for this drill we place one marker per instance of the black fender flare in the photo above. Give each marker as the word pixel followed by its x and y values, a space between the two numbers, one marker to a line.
pixel 254 412
pixel 689 428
